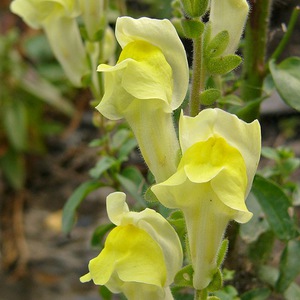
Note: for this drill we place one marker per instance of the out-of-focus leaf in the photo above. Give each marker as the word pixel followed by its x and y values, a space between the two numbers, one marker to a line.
pixel 99 233
pixel 126 149
pixel 119 138
pixel 15 121
pixel 105 163
pixel 47 92
pixel 256 294
pixel 275 205
pixel 289 266
pixel 13 167
pixel 133 181
pixel 69 211
pixel 105 293
pixel 261 249
pixel 286 76
pixel 258 223
pixel 292 292
pixel 228 293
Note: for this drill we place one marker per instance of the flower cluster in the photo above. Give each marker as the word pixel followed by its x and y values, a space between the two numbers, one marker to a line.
pixel 59 21
pixel 207 173
pixel 205 170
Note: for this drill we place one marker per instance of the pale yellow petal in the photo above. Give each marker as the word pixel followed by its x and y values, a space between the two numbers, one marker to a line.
pixel 162 34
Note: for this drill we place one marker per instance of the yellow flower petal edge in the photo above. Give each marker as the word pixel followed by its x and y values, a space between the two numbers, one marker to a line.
pixel 221 18
pixel 141 255
pixel 36 12
pixel 57 18
pixel 245 137
pixel 211 182
pixel 142 88
pixel 162 34
pixel 133 255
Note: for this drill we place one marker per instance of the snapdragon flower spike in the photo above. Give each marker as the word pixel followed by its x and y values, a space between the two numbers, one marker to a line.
pixel 58 19
pixel 229 15
pixel 148 82
pixel 141 256
pixel 213 179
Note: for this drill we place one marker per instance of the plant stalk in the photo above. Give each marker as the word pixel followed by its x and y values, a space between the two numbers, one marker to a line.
pixel 288 33
pixel 197 77
pixel 254 53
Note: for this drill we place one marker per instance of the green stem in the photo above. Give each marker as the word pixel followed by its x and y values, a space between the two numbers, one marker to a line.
pixel 254 53
pixel 288 33
pixel 197 78
pixel 200 295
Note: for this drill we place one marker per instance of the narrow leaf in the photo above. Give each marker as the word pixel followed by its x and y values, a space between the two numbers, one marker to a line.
pixel 275 205
pixel 69 210
pixel 289 266
pixel 286 77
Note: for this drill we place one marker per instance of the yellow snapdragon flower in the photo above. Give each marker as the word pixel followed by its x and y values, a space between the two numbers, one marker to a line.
pixel 58 19
pixel 141 255
pixel 148 82
pixel 213 179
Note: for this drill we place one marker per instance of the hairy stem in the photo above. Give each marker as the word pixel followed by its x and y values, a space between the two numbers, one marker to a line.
pixel 254 53
pixel 197 78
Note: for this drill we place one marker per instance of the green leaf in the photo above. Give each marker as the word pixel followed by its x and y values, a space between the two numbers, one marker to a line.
pixel 286 76
pixel 119 138
pixel 176 219
pixel 292 292
pixel 223 64
pixel 257 294
pixel 194 8
pixel 209 96
pixel 222 252
pixel 258 224
pixel 275 205
pixel 48 93
pixel 289 266
pixel 216 282
pixel 126 149
pixel 101 166
pixel 150 196
pixel 217 45
pixel 227 293
pixel 192 28
pixel 105 293
pixel 69 210
pixel 133 181
pixel 231 100
pixel 15 121
pixel 99 234
pixel 260 250
pixel 184 277
pixel 270 153
pixel 13 166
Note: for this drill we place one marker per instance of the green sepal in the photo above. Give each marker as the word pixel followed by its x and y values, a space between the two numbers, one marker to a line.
pixel 194 8
pixel 217 45
pixel 209 96
pixel 216 282
pixel 213 298
pixel 184 277
pixel 150 196
pixel 223 64
pixel 192 28
pixel 222 252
